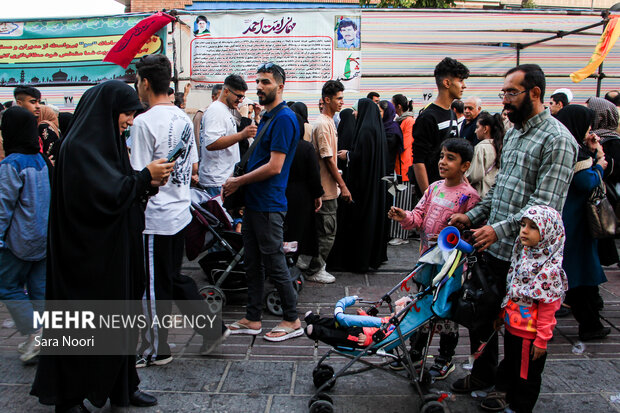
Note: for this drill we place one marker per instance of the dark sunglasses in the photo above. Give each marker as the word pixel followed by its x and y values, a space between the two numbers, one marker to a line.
pixel 269 66
pixel 238 95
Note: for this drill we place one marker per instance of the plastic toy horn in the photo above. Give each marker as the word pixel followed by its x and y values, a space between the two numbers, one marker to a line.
pixel 450 239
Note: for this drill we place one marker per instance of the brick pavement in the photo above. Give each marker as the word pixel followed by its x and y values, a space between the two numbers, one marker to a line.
pixel 253 375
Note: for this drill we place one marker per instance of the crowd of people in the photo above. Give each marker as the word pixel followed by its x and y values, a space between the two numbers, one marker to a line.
pixel 101 183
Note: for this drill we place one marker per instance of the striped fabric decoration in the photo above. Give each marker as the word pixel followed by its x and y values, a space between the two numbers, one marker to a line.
pixel 402 47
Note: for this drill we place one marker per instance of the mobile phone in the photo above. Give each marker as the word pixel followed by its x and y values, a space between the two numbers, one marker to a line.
pixel 176 151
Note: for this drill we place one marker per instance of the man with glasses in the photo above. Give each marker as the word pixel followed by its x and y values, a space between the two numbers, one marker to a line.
pixel 219 147
pixel 265 207
pixel 538 157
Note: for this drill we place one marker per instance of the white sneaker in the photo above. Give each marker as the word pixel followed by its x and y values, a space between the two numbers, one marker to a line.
pixel 303 262
pixel 398 241
pixel 32 349
pixel 322 277
pixel 21 347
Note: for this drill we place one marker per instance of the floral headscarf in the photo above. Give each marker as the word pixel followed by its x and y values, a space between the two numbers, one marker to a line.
pixel 536 273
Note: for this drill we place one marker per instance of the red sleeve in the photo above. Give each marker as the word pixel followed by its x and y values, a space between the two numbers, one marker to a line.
pixel 545 323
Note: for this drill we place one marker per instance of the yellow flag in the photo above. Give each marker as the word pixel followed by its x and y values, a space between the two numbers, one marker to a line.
pixel 605 44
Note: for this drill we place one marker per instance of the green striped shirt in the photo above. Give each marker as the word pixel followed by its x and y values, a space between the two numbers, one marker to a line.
pixel 536 168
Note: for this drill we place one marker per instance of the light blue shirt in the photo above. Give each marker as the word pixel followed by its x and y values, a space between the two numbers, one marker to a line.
pixel 24 205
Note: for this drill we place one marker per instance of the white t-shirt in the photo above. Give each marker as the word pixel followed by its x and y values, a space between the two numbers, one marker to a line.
pixel 155 133
pixel 217 166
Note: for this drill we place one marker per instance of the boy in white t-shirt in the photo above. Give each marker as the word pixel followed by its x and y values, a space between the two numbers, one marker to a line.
pixel 155 134
pixel 219 148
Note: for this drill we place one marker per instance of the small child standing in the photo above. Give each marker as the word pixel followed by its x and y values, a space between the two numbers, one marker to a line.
pixel 536 285
pixel 442 199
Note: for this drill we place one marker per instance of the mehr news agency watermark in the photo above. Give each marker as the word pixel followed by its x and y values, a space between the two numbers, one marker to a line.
pixel 114 327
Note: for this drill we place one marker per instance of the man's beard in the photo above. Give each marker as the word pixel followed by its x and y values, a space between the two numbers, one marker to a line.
pixel 520 114
pixel 267 99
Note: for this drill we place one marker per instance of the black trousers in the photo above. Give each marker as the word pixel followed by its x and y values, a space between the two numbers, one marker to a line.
pixel 485 367
pixel 584 302
pixel 447 343
pixel 164 283
pixel 521 394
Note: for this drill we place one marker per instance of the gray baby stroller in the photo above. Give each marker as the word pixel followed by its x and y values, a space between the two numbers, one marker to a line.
pixel 210 239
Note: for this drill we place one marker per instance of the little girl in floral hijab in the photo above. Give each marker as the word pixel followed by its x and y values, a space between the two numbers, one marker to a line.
pixel 536 284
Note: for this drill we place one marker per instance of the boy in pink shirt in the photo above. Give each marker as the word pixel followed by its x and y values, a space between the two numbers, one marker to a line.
pixel 442 198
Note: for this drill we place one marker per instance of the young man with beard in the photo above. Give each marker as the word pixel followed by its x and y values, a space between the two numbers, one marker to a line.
pixel 537 167
pixel 265 207
pixel 437 122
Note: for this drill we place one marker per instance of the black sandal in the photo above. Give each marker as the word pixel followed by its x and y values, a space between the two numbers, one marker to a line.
pixel 468 384
pixel 494 402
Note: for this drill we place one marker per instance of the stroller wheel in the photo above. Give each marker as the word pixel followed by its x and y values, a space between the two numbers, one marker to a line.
pixel 214 297
pixel 320 396
pixel 433 407
pixel 321 406
pixel 321 375
pixel 273 303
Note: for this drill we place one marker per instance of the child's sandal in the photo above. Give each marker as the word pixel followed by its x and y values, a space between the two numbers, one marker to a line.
pixel 494 402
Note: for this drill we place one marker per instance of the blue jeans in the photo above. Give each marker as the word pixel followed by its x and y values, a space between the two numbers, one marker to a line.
pixel 213 190
pixel 263 235
pixel 14 275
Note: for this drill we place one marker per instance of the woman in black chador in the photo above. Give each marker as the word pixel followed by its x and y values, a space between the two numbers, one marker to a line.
pixel 95 244
pixel 361 239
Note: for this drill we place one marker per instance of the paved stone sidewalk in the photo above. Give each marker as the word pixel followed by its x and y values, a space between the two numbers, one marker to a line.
pixel 253 375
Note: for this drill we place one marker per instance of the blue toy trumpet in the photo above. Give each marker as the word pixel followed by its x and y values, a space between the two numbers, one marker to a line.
pixel 450 239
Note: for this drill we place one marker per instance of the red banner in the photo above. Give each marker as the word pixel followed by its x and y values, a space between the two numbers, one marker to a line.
pixel 126 49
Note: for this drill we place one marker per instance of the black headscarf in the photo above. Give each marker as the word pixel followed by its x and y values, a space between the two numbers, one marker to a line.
pixel 577 120
pixel 301 113
pixel 95 243
pixel 301 109
pixel 64 122
pixel 360 247
pixel 346 129
pixel 19 131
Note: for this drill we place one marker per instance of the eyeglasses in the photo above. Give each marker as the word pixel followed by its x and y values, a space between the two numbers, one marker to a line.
pixel 238 95
pixel 269 66
pixel 511 95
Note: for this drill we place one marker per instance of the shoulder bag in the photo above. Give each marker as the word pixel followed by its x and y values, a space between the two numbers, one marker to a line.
pixel 600 214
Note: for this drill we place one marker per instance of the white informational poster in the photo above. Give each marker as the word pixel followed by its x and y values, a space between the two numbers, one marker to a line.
pixel 311 46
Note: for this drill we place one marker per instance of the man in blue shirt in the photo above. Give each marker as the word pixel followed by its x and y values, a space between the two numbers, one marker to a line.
pixel 266 206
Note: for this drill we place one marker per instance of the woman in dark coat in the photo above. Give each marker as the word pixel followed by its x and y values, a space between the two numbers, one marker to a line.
pixel 303 192
pixel 95 245
pixel 361 239
pixel 604 126
pixel 581 261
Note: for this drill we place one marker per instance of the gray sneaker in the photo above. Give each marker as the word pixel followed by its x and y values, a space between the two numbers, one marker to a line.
pixel 322 277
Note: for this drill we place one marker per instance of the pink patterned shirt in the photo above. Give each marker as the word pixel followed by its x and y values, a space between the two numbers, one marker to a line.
pixel 439 202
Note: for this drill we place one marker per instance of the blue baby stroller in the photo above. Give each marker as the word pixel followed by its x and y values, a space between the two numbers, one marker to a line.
pixel 439 274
